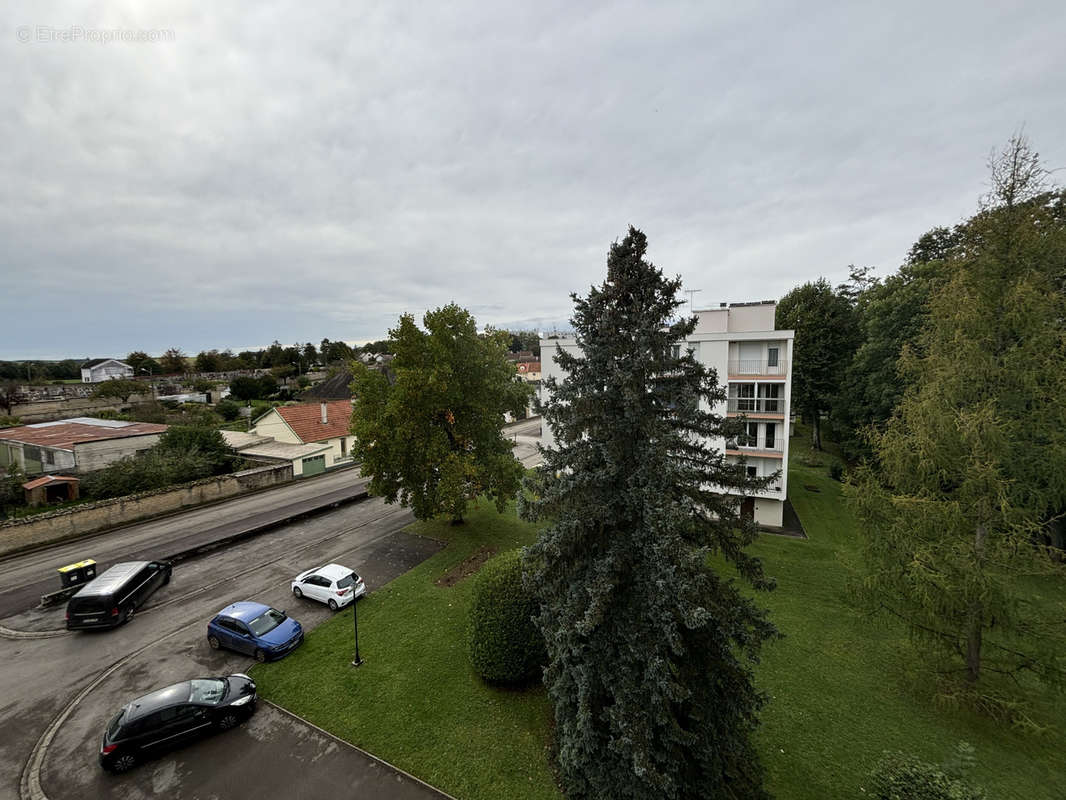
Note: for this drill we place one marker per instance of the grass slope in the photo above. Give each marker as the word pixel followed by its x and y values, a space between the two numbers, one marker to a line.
pixel 840 683
pixel 416 702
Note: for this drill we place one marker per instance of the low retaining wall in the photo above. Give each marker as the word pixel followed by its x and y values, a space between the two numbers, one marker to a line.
pixel 70 523
pixel 64 408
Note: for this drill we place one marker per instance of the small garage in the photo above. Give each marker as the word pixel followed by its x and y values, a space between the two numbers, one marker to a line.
pixel 315 465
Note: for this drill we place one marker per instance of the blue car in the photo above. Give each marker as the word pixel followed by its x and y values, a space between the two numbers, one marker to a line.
pixel 255 629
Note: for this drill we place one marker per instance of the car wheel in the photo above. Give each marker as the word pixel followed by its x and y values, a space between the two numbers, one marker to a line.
pixel 260 656
pixel 229 720
pixel 166 578
pixel 296 591
pixel 213 641
pixel 129 615
pixel 124 763
pixel 332 605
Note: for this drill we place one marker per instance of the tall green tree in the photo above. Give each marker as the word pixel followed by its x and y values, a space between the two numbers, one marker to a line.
pixel 428 430
pixel 973 463
pixel 826 338
pixel 173 362
pixel 650 649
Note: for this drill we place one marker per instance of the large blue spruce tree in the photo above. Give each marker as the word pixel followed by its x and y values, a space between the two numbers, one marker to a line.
pixel 650 650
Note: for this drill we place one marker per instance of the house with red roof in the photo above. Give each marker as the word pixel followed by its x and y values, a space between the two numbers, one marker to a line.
pixel 325 423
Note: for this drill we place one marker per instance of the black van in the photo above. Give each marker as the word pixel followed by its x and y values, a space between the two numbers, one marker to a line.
pixel 111 598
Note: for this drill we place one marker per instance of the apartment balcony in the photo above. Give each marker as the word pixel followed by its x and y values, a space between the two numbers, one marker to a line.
pixel 745 447
pixel 745 368
pixel 756 407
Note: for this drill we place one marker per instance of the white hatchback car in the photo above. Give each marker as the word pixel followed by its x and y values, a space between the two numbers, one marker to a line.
pixel 334 585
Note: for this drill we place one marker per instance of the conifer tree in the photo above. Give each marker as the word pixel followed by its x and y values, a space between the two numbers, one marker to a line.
pixel 973 464
pixel 650 650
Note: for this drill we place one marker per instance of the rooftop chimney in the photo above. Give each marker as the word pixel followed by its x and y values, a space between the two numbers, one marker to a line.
pixel 325 414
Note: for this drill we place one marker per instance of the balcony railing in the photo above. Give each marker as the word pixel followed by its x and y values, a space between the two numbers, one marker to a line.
pixel 755 405
pixel 757 367
pixel 747 444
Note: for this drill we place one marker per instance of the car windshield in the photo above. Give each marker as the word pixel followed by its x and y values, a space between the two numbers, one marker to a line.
pixel 113 726
pixel 266 622
pixel 206 690
pixel 347 580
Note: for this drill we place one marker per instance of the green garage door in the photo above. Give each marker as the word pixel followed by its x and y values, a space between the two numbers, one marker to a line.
pixel 315 465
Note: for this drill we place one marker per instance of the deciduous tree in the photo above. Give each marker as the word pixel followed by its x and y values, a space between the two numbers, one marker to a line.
pixel 120 388
pixel 826 337
pixel 173 362
pixel 428 430
pixel 650 649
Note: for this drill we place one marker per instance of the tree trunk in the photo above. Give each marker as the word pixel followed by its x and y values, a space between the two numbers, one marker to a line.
pixel 975 617
pixel 816 431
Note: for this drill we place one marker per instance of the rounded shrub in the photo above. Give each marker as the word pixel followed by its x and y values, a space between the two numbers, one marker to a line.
pixel 505 645
pixel 228 410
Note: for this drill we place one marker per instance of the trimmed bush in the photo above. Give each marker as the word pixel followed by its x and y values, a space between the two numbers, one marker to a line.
pixel 903 777
pixel 505 645
pixel 228 410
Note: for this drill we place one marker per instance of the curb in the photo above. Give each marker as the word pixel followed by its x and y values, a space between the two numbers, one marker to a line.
pixel 358 749
pixel 34 548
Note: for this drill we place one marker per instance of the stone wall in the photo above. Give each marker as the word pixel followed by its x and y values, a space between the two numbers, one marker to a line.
pixel 70 523
pixel 48 410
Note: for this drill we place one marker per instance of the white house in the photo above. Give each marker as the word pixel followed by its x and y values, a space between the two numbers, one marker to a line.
pixel 104 369
pixel 325 424
pixel 754 361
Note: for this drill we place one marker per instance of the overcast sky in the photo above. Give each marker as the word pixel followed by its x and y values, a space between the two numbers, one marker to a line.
pixel 308 170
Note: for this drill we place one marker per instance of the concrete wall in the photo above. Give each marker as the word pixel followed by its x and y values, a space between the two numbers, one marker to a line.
pixel 97 455
pixel 70 523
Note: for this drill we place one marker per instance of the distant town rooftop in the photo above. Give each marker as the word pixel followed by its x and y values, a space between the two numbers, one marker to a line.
pixel 65 433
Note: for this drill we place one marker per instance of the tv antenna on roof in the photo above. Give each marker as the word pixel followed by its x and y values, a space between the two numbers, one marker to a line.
pixel 691 293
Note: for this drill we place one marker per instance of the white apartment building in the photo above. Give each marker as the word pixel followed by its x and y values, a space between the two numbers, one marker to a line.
pixel 754 361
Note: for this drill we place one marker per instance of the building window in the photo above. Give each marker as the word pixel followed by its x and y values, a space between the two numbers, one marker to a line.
pixel 675 351
pixel 771 357
pixel 344 446
pixel 753 472
pixel 771 429
pixel 750 437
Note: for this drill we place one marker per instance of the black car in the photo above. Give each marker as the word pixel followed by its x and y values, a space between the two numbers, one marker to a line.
pixel 168 717
pixel 113 596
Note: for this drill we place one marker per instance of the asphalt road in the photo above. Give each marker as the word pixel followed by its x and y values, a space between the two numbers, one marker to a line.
pixel 273 750
pixel 24 578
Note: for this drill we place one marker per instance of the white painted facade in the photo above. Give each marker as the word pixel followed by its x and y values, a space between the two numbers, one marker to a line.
pixel 109 370
pixel 754 362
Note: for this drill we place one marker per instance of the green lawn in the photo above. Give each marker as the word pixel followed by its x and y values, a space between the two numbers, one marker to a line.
pixel 838 680
pixel 416 702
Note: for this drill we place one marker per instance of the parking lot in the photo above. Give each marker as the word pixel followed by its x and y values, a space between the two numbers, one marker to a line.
pixel 41 677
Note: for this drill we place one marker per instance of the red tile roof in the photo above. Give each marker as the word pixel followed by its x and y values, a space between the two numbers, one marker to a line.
pixel 46 479
pixel 306 420
pixel 63 435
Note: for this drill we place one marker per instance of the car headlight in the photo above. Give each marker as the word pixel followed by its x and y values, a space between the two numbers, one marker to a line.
pixel 242 701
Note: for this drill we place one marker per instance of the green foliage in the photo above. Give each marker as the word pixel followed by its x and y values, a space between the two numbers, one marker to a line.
pixel 505 644
pixel 428 430
pixel 970 467
pixel 228 410
pixel 199 440
pixel 525 340
pixel 904 777
pixel 245 387
pixel 203 385
pixel 173 362
pixel 9 394
pixel 12 495
pixel 836 471
pixel 155 469
pixel 7 421
pixel 148 412
pixel 120 389
pixel 650 650
pixel 268 386
pixel 824 322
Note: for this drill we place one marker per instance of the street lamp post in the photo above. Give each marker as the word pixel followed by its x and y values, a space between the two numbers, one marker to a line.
pixel 357 661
